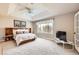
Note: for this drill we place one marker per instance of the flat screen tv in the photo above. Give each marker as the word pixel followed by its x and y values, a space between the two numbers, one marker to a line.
pixel 61 35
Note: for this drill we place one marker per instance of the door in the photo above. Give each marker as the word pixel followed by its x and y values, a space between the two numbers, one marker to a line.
pixel 76 31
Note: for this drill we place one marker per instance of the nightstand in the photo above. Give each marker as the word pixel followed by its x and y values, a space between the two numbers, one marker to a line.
pixel 8 34
pixel 8 37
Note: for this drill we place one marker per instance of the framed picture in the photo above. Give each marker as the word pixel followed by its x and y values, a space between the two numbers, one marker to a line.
pixel 18 23
pixel 23 23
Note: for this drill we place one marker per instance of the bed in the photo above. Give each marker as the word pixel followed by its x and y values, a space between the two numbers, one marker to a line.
pixel 20 35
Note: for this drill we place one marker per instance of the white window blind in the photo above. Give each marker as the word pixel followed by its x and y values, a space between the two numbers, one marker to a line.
pixel 45 26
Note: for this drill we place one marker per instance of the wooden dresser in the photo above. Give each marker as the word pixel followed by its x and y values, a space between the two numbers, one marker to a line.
pixel 8 34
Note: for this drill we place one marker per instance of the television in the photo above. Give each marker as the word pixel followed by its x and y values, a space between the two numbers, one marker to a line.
pixel 61 35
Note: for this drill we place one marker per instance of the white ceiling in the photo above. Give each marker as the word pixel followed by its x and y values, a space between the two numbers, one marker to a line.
pixel 42 10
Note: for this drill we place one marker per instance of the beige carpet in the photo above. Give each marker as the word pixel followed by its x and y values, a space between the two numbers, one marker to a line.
pixel 4 46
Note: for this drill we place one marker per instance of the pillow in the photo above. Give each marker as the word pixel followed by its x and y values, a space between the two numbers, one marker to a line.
pixel 16 32
pixel 19 32
pixel 26 31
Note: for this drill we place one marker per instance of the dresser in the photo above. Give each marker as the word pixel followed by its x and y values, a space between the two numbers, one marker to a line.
pixel 8 34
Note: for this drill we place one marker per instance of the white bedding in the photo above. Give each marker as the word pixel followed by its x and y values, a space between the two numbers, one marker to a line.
pixel 23 37
pixel 37 47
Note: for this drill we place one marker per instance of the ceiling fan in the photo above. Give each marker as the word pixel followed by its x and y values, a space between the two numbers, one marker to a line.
pixel 24 6
pixel 29 9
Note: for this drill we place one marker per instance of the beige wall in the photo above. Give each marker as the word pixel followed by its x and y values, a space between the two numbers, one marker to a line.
pixel 61 23
pixel 4 8
pixel 65 23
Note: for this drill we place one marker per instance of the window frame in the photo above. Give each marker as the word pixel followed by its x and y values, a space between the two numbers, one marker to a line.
pixel 45 22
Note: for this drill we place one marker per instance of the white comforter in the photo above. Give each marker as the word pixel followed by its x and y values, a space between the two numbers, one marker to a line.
pixel 22 37
pixel 37 47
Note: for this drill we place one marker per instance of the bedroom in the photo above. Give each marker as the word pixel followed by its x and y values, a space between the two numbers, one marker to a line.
pixel 43 20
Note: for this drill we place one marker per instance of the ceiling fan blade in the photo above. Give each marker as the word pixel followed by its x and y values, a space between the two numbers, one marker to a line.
pixel 29 10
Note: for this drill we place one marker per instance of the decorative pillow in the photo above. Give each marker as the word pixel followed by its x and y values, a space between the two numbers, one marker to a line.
pixel 16 32
pixel 25 32
pixel 19 32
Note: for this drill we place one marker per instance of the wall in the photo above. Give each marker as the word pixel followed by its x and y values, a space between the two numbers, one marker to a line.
pixel 61 23
pixel 65 23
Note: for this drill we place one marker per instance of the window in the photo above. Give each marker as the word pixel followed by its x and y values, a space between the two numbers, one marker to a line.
pixel 45 26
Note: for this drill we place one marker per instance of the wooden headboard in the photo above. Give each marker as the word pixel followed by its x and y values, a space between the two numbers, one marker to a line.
pixel 9 31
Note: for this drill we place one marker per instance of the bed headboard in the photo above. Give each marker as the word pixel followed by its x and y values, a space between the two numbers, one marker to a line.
pixel 9 31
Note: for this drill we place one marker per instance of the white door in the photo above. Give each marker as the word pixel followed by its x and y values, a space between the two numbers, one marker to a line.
pixel 76 31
